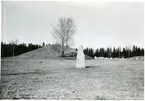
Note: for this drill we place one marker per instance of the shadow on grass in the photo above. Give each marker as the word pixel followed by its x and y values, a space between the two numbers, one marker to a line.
pixel 71 69
pixel 100 98
pixel 91 66
pixel 86 67
pixel 24 73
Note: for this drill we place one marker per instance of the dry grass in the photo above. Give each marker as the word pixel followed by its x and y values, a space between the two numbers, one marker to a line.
pixel 56 79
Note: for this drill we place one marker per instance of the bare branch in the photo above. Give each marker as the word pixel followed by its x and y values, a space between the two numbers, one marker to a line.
pixel 63 32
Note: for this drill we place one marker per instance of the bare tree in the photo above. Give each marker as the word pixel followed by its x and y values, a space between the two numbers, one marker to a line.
pixel 128 48
pixel 13 46
pixel 63 33
pixel 110 52
pixel 119 50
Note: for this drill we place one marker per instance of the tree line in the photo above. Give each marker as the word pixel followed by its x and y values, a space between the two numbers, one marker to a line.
pixel 7 50
pixel 125 52
pixel 14 49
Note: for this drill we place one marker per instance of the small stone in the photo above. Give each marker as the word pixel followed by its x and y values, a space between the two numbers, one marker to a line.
pixel 73 91
pixel 79 98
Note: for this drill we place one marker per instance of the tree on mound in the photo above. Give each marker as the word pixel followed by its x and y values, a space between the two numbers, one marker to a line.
pixel 63 33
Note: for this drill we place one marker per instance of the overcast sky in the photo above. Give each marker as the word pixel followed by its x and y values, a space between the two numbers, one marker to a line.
pixel 98 24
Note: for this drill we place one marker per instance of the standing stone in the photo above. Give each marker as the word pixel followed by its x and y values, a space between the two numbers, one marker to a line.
pixel 80 61
pixel 95 57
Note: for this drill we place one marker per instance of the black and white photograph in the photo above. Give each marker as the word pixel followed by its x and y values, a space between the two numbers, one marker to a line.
pixel 72 50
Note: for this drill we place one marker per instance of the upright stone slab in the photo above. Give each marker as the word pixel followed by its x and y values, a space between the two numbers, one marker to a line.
pixel 95 57
pixel 80 61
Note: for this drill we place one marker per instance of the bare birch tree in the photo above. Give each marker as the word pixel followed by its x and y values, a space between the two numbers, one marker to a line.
pixel 63 33
pixel 13 46
pixel 119 50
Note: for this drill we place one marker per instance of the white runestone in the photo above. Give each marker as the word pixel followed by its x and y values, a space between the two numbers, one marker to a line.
pixel 80 61
pixel 95 57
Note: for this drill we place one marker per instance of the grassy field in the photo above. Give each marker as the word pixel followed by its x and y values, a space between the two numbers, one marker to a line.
pixel 59 79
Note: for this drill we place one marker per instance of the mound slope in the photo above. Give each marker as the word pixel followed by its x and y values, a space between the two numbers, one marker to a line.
pixel 46 52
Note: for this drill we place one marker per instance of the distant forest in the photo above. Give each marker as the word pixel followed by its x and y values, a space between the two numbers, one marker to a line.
pixel 10 49
pixel 116 52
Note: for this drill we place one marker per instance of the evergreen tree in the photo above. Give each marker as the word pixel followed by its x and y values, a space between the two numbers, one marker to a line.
pixel 43 44
pixel 96 53
pixel 7 49
pixel 101 52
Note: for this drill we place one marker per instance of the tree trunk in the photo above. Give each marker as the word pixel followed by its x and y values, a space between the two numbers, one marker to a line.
pixel 62 54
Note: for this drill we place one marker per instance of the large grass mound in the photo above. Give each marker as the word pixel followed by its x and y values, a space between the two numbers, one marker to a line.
pixel 46 52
